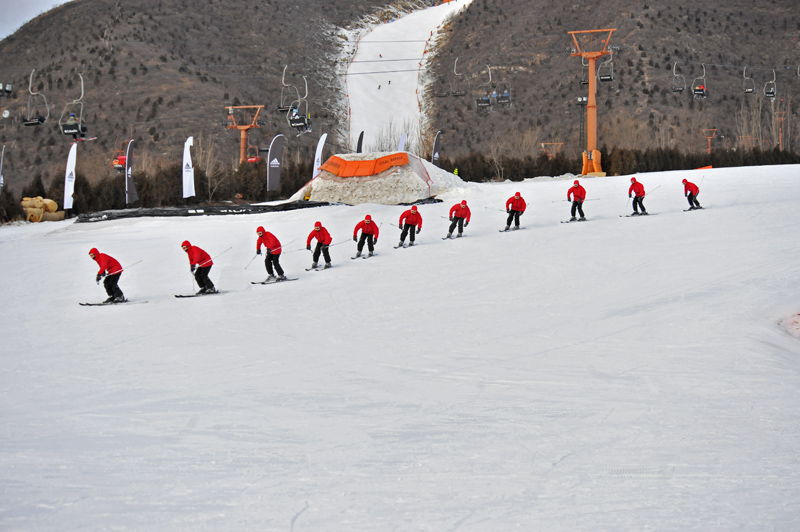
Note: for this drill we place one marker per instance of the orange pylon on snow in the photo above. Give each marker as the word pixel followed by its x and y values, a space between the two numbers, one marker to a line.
pixel 591 45
pixel 247 123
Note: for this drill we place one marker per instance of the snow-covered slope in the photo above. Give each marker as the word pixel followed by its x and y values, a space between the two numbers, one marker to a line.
pixel 618 374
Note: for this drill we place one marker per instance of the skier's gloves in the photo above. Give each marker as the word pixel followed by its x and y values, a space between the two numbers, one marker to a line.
pixel 97 279
pixel 258 251
pixel 308 247
pixel 419 230
pixel 355 239
pixel 466 224
pixel 192 267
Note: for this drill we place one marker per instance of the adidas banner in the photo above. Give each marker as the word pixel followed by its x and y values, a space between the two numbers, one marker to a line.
pixel 2 156
pixel 436 148
pixel 318 156
pixel 274 163
pixel 188 169
pixel 402 145
pixel 69 178
pixel 130 187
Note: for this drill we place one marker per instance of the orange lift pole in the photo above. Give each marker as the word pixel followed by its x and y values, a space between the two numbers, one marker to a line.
pixel 591 44
pixel 709 134
pixel 243 127
pixel 780 115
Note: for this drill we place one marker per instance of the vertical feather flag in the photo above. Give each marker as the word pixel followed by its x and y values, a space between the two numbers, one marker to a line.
pixel 188 169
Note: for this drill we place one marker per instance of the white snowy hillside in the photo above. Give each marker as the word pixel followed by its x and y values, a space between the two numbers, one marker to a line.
pixel 413 181
pixel 613 374
pixel 383 79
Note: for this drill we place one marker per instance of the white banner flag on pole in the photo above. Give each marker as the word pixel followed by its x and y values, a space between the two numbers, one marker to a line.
pixel 69 177
pixel 318 156
pixel 188 169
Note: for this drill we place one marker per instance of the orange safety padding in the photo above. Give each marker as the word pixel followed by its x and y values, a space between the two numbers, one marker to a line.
pixel 396 159
pixel 704 168
pixel 339 167
pixel 333 165
pixel 596 161
pixel 586 164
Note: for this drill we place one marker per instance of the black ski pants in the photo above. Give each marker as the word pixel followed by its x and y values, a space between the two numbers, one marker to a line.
pixel 577 206
pixel 638 204
pixel 369 239
pixel 321 248
pixel 409 230
pixel 273 260
pixel 513 216
pixel 110 284
pixel 456 221
pixel 201 276
pixel 693 200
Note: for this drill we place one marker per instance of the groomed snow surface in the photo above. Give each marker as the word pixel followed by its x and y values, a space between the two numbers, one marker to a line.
pixel 617 374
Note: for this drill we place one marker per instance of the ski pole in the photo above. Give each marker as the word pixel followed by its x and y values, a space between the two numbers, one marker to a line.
pixel 651 192
pixel 251 261
pixel 218 254
pixel 132 265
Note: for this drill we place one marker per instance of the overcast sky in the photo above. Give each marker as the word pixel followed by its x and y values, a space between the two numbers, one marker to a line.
pixel 15 13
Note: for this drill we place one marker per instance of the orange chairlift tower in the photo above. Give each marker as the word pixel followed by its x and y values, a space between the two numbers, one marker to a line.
pixel 592 45
pixel 709 134
pixel 243 127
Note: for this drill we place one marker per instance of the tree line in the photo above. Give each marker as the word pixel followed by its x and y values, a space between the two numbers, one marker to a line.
pixel 163 186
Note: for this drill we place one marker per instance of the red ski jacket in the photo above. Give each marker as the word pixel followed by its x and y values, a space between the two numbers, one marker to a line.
pixel 637 188
pixel 197 256
pixel 460 211
pixel 578 192
pixel 690 188
pixel 515 203
pixel 108 265
pixel 370 228
pixel 269 241
pixel 322 236
pixel 411 218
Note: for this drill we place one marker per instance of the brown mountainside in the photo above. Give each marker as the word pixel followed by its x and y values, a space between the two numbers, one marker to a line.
pixel 524 43
pixel 170 67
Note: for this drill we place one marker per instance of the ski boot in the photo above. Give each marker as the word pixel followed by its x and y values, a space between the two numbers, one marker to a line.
pixel 410 244
pixel 313 265
pixel 459 235
pixel 328 265
pixel 370 254
pixel 119 299
pixel 358 254
pixel 644 213
pixel 635 213
pixel 449 235
pixel 508 227
pixel 280 278
pixel 270 278
pixel 400 244
pixel 582 219
pixel 516 228
pixel 573 219
pixel 109 300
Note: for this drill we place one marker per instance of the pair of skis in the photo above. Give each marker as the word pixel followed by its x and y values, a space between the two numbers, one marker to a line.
pixel 363 256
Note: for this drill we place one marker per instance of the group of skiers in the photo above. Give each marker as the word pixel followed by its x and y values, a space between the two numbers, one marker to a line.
pixel 410 225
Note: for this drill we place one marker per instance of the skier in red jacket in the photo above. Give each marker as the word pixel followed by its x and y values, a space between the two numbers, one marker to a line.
pixel 410 221
pixel 459 215
pixel 578 194
pixel 515 206
pixel 111 270
pixel 323 241
pixel 690 191
pixel 273 252
pixel 638 191
pixel 369 234
pixel 200 264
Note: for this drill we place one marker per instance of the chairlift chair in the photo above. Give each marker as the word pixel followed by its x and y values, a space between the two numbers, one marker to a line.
pixel 442 89
pixel 460 85
pixel 252 155
pixel 584 71
pixel 505 95
pixel 289 93
pixel 678 81
pixel 72 124
pixel 699 88
pixel 35 117
pixel 486 95
pixel 748 85
pixel 9 88
pixel 605 72
pixel 770 88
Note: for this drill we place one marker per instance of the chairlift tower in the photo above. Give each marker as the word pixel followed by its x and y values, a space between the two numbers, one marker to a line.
pixel 709 134
pixel 551 149
pixel 780 115
pixel 243 127
pixel 591 45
